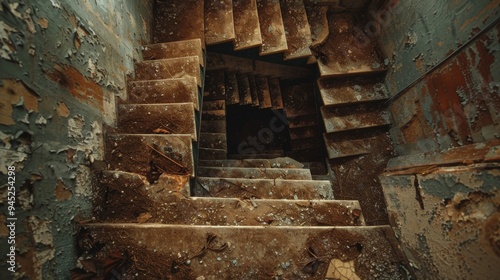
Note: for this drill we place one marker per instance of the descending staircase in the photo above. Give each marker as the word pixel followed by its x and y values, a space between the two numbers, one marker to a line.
pixel 241 219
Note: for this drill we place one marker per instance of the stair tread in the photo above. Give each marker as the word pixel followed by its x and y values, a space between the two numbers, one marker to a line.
pixel 168 68
pixel 215 86
pixel 263 93
pixel 345 53
pixel 302 121
pixel 246 24
pixel 304 132
pixel 253 90
pixel 173 118
pixel 280 162
pixel 133 153
pixel 262 154
pixel 263 188
pixel 214 105
pixel 167 208
pixel 211 154
pixel 232 93
pixel 299 100
pixel 244 90
pixel 184 48
pixel 213 141
pixel 335 92
pixel 275 92
pixel 298 31
pixel 160 91
pixel 339 149
pixel 349 119
pixel 218 126
pixel 271 27
pixel 213 115
pixel 177 20
pixel 219 24
pixel 317 18
pixel 271 173
pixel 253 251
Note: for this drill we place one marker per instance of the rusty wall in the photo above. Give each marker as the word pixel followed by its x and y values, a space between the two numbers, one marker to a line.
pixel 443 105
pixel 63 63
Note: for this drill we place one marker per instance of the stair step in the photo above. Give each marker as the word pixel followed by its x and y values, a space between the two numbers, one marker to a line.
pixel 213 141
pixel 135 185
pixel 214 105
pixel 173 118
pixel 178 20
pixel 297 29
pixel 232 93
pixel 306 143
pixel 263 188
pixel 219 25
pixel 168 68
pixel 302 121
pixel 344 53
pixel 304 132
pixel 252 252
pixel 213 115
pixel 263 93
pixel 173 50
pixel 263 154
pixel 244 90
pixel 299 100
pixel 215 85
pixel 269 173
pixel 134 153
pixel 253 90
pixel 271 27
pixel 338 148
pixel 316 167
pixel 218 61
pixel 280 162
pixel 335 92
pixel 213 126
pixel 275 92
pixel 318 20
pixel 211 154
pixel 173 208
pixel 246 24
pixel 164 91
pixel 348 118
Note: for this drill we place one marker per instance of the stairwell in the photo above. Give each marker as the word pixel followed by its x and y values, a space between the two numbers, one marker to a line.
pixel 174 204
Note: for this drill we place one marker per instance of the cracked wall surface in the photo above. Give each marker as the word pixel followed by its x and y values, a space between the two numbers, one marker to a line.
pixel 63 64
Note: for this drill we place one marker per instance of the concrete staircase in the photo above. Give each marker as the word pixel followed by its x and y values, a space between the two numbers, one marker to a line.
pixel 240 219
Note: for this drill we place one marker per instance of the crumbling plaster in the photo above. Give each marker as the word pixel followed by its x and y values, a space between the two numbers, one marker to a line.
pixel 63 64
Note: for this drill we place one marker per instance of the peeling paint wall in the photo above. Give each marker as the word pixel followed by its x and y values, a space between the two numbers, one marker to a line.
pixel 448 221
pixel 63 64
pixel 457 103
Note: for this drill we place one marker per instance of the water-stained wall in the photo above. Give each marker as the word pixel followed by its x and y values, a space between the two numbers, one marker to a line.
pixel 444 76
pixel 63 64
pixel 444 72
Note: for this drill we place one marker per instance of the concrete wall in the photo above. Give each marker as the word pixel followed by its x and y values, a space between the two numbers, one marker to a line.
pixel 458 103
pixel 445 83
pixel 63 63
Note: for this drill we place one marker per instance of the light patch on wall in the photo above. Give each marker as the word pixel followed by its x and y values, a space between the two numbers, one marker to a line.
pixel 83 184
pixel 61 192
pixel 11 158
pixel 41 231
pixel 62 110
pixel 12 93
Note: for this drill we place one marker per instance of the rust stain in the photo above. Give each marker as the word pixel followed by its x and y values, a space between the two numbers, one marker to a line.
pixel 4 231
pixel 78 85
pixel 12 93
pixel 61 192
pixel 43 22
pixel 486 59
pixel 62 110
